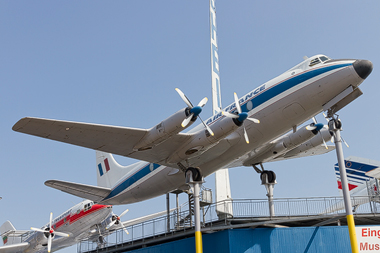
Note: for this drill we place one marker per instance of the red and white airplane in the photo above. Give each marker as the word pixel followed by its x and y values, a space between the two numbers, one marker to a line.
pixel 85 220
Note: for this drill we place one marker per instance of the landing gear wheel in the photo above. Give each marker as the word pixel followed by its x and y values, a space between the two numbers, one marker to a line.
pixel 270 175
pixel 197 176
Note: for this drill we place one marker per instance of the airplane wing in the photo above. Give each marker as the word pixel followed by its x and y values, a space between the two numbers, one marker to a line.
pixel 248 160
pixel 94 193
pixel 19 247
pixel 318 150
pixel 111 139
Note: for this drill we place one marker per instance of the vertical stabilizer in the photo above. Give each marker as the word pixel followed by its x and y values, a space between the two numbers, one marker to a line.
pixel 215 78
pixel 109 172
pixel 9 234
pixel 359 172
pixel 222 178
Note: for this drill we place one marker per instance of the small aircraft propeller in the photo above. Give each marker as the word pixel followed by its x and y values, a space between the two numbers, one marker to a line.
pixel 116 220
pixel 194 110
pixel 49 232
pixel 241 116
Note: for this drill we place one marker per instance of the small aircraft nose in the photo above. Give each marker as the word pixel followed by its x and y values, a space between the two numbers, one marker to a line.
pixel 363 68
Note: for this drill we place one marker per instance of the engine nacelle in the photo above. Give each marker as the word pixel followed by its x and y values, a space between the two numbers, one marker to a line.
pixel 164 130
pixel 202 140
pixel 293 140
pixel 314 142
pixel 286 144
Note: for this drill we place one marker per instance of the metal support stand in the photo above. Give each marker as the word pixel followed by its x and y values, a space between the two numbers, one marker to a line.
pixel 269 187
pixel 335 126
pixel 194 180
pixel 167 212
pixel 268 179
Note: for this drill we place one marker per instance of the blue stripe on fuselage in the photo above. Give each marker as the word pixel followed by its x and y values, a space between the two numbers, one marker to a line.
pixel 277 89
pixel 132 179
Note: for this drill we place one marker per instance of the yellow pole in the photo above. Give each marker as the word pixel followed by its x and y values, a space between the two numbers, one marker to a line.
pixel 198 242
pixel 352 233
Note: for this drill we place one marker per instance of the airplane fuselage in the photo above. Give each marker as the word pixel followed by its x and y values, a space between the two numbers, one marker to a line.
pixel 280 104
pixel 76 222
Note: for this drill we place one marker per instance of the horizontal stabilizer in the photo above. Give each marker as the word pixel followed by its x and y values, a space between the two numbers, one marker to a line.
pixel 145 218
pixel 94 193
pixel 19 247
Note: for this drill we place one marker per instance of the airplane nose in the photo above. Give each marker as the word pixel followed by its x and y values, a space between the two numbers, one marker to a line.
pixel 363 68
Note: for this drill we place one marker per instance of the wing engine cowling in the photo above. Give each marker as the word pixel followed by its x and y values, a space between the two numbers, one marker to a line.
pixel 176 123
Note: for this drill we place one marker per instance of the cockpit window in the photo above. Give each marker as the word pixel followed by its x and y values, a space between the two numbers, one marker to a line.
pixel 324 58
pixel 87 206
pixel 314 62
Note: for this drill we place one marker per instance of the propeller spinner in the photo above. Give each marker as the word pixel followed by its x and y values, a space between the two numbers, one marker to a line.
pixel 194 110
pixel 240 117
pixel 116 220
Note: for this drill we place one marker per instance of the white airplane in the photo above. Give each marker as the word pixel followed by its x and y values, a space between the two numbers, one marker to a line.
pixel 363 182
pixel 85 220
pixel 225 140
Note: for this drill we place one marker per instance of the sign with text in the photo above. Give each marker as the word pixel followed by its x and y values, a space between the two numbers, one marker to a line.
pixel 368 238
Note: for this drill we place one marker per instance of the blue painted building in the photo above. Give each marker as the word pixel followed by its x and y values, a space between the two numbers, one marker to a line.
pixel 263 240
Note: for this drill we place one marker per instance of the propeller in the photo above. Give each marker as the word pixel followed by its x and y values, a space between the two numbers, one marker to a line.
pixel 194 110
pixel 116 221
pixel 49 232
pixel 240 117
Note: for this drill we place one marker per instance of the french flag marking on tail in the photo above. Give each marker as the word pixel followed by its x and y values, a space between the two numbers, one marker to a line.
pixel 100 167
pixel 357 170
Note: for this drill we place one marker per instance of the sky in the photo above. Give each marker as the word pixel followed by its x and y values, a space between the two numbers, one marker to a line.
pixel 119 62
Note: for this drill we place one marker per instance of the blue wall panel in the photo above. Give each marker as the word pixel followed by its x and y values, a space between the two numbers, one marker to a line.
pixel 264 240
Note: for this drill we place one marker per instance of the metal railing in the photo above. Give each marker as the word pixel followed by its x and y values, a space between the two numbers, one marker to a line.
pixel 254 209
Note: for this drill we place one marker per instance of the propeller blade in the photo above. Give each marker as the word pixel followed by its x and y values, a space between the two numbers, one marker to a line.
pixel 237 103
pixel 203 102
pixel 125 230
pixel 324 143
pixel 184 98
pixel 51 218
pixel 230 115
pixel 123 213
pixel 254 120
pixel 186 121
pixel 311 127
pixel 61 234
pixel 38 230
pixel 344 142
pixel 207 127
pixel 246 136
pixel 324 115
pixel 49 242
pixel 315 120
pixel 111 224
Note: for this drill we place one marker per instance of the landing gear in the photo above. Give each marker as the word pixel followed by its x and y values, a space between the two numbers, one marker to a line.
pixel 194 179
pixel 268 179
pixel 193 175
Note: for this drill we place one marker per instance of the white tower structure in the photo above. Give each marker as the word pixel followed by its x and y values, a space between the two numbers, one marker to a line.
pixel 222 178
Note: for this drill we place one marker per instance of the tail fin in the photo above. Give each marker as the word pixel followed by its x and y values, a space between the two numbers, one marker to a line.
pixel 109 172
pixel 9 234
pixel 359 171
